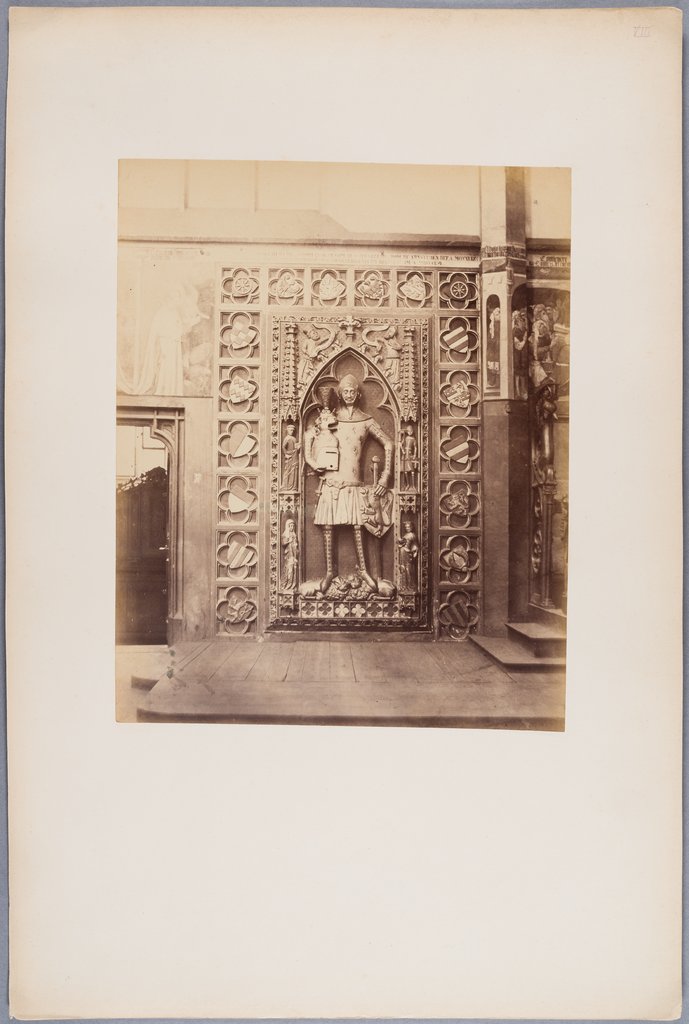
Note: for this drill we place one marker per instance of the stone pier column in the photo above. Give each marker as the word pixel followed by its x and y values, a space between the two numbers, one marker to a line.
pixel 506 444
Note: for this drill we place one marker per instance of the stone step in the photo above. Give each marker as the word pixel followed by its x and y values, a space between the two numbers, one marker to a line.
pixel 513 657
pixel 553 617
pixel 540 640
pixel 144 682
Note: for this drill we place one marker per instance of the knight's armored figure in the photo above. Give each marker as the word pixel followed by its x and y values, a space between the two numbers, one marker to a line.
pixel 340 498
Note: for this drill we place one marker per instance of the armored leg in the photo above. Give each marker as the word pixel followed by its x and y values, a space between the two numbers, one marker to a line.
pixel 328 543
pixel 359 541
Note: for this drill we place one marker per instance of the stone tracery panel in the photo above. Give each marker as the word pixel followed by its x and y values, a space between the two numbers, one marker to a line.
pixel 239 334
pixel 414 288
pixel 328 287
pixel 372 287
pixel 410 335
pixel 458 290
pixel 458 339
pixel 237 444
pixel 238 404
pixel 240 285
pixel 459 490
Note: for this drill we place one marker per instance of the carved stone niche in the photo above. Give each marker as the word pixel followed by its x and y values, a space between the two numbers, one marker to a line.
pixel 350 404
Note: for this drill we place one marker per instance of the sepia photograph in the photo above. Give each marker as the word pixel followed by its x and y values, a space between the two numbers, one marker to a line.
pixel 342 443
pixel 337 685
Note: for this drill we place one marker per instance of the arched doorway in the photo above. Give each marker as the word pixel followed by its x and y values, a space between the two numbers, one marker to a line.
pixel 148 510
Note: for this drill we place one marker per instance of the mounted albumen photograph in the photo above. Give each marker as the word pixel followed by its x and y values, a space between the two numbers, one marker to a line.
pixel 342 443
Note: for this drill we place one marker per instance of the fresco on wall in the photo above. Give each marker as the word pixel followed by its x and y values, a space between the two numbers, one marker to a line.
pixel 165 317
pixel 540 336
pixel 493 342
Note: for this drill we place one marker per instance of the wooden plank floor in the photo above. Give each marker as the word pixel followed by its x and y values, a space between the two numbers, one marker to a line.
pixel 351 682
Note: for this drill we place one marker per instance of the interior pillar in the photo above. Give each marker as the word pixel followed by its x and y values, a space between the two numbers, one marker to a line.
pixel 506 445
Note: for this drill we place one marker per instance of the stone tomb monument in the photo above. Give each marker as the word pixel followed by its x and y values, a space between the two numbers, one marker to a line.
pixel 353 513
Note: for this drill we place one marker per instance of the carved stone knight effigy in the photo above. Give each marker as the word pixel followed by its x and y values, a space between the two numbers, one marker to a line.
pixel 349 464
pixel 343 497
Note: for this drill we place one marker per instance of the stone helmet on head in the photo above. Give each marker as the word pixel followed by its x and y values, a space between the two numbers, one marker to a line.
pixel 349 381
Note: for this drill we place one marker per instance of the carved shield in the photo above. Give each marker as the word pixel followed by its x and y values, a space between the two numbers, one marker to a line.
pixel 377 511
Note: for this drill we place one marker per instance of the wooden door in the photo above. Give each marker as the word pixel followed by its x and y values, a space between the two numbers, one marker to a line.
pixel 142 559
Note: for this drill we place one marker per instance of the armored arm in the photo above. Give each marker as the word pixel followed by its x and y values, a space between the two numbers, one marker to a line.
pixel 387 444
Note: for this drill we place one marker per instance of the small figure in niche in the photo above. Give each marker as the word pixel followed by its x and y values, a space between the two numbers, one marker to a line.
pixel 409 550
pixel 290 559
pixel 290 460
pixel 493 349
pixel 408 459
pixel 393 347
